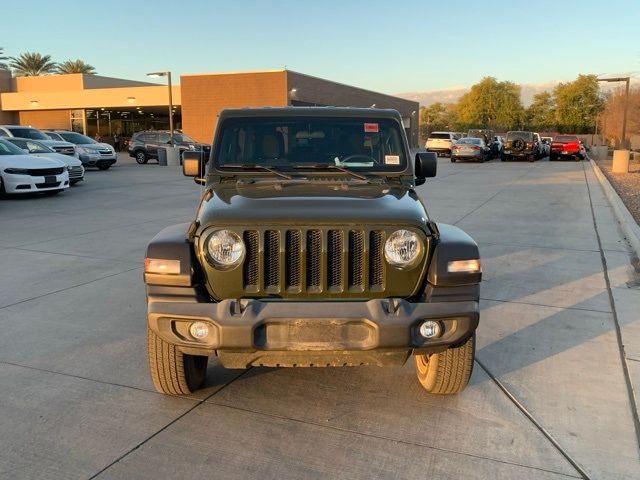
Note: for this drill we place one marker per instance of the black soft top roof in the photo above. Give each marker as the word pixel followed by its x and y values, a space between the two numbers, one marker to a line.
pixel 311 112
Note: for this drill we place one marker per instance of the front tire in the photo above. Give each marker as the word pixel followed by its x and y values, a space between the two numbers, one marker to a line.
pixel 453 160
pixel 104 167
pixel 174 372
pixel 447 372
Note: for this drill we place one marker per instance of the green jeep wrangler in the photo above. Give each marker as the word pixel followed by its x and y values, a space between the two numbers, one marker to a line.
pixel 311 248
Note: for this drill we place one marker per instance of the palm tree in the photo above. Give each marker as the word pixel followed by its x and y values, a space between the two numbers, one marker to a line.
pixel 2 59
pixel 76 66
pixel 32 64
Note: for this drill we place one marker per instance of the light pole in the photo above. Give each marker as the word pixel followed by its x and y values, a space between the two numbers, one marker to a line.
pixel 168 75
pixel 626 105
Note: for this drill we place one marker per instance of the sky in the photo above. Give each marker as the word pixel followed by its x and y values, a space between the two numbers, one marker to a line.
pixel 387 46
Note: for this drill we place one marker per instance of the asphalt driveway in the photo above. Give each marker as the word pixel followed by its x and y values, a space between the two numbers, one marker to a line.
pixel 550 397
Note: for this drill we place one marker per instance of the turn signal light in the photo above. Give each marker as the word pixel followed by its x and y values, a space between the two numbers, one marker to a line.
pixel 464 266
pixel 161 266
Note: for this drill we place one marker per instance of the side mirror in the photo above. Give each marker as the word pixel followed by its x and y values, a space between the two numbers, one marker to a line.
pixel 426 166
pixel 193 166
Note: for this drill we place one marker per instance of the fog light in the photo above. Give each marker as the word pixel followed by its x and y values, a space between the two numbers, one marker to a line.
pixel 199 330
pixel 430 329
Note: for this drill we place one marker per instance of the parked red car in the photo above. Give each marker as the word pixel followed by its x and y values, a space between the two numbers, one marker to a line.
pixel 566 146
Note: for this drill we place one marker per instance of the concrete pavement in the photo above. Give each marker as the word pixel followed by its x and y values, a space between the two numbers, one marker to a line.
pixel 549 397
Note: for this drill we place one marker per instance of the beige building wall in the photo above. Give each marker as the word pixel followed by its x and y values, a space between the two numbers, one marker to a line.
pixel 56 119
pixel 205 96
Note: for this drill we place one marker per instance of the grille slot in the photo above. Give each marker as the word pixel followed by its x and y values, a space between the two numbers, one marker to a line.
pixel 376 267
pixel 41 172
pixel 334 259
pixel 251 261
pixel 356 258
pixel 293 257
pixel 271 259
pixel 314 258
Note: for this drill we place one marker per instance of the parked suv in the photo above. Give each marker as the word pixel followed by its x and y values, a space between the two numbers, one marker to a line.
pixel 311 248
pixel 145 145
pixel 90 152
pixel 17 131
pixel 440 142
pixel 521 144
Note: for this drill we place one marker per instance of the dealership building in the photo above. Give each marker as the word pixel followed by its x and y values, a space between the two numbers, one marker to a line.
pixel 91 103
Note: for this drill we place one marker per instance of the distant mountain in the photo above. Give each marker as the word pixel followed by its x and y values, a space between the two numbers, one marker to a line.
pixel 451 95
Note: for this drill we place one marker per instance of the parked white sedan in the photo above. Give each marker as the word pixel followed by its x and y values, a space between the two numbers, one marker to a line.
pixel 34 147
pixel 24 173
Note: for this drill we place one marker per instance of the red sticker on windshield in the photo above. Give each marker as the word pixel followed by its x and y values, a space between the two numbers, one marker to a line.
pixel 371 127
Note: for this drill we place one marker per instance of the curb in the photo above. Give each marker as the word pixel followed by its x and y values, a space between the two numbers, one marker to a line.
pixel 627 222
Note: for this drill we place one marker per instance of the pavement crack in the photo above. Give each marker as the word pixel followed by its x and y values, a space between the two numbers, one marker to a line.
pixel 179 417
pixel 70 287
pixel 532 419
pixel 544 305
pixel 388 438
pixel 616 321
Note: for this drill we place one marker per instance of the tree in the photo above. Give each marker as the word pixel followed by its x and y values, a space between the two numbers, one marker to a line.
pixel 578 104
pixel 491 104
pixel 437 117
pixel 541 114
pixel 32 64
pixel 610 120
pixel 3 65
pixel 76 66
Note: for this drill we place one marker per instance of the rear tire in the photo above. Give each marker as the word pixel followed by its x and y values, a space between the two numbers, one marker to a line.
pixel 174 372
pixel 141 157
pixel 104 167
pixel 447 372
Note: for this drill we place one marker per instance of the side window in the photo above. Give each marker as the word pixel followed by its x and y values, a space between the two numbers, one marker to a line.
pixel 3 133
pixel 163 138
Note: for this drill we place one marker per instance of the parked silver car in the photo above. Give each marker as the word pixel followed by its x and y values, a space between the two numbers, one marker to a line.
pixel 91 153
pixel 470 149
pixel 60 145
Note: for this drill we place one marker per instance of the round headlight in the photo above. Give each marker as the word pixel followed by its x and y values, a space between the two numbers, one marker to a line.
pixel 403 248
pixel 225 248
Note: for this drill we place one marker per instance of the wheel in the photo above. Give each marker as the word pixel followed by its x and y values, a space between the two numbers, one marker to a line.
pixel 104 167
pixel 503 158
pixel 552 158
pixel 3 192
pixel 174 372
pixel 447 372
pixel 532 158
pixel 141 157
pixel 453 160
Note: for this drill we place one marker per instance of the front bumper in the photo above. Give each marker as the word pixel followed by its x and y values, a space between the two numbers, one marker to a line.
pixel 30 184
pixel 324 326
pixel 89 159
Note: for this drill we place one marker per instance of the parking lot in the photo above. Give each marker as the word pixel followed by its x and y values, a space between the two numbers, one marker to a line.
pixel 550 395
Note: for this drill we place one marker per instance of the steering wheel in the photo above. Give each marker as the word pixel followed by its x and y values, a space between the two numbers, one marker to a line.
pixel 358 155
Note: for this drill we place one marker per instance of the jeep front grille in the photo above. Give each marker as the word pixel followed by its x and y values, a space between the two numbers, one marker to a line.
pixel 313 261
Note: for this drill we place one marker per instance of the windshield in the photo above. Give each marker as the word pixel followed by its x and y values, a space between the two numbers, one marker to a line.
pixel 181 137
pixel 526 136
pixel 77 138
pixel 25 132
pixel 295 142
pixel 30 145
pixel 8 148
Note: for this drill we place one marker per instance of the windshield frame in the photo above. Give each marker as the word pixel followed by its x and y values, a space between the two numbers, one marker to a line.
pixel 12 147
pixel 405 167
pixel 90 142
pixel 13 130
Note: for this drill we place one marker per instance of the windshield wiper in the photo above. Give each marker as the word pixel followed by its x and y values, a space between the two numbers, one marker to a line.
pixel 331 166
pixel 249 166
